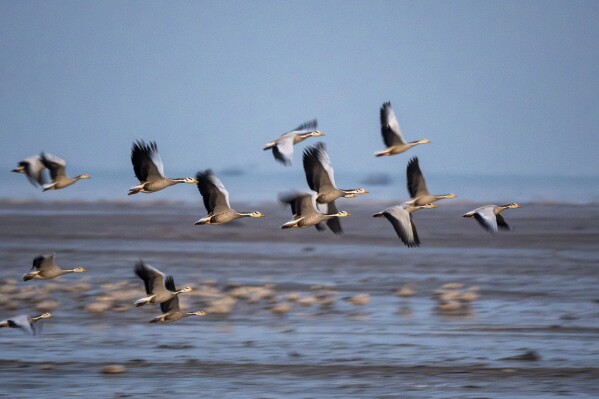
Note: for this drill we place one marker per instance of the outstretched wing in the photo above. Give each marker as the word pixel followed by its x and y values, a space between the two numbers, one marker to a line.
pixel 403 224
pixel 390 127
pixel 334 223
pixel 56 166
pixel 214 193
pixel 487 219
pixel 22 322
pixel 318 168
pixel 416 183
pixel 44 262
pixel 146 161
pixel 501 223
pixel 34 169
pixel 283 150
pixel 154 279
pixel 171 305
pixel 307 127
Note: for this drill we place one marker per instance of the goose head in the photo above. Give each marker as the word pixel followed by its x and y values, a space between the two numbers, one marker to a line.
pixel 83 176
pixel 342 214
pixel 79 270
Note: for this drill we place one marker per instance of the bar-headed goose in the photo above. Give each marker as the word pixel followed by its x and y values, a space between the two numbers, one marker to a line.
pixel 216 201
pixel 44 268
pixel 25 322
pixel 305 214
pixel 394 140
pixel 33 168
pixel 171 310
pixel 400 217
pixel 57 167
pixel 417 186
pixel 157 284
pixel 282 147
pixel 149 169
pixel 489 216
pixel 321 177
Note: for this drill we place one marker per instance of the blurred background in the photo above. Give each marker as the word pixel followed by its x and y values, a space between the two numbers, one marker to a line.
pixel 502 89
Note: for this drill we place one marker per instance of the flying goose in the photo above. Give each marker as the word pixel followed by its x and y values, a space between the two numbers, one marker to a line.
pixel 157 284
pixel 33 168
pixel 489 217
pixel 394 140
pixel 305 213
pixel 44 268
pixel 25 322
pixel 282 147
pixel 417 185
pixel 321 177
pixel 216 201
pixel 57 167
pixel 170 308
pixel 149 169
pixel 400 217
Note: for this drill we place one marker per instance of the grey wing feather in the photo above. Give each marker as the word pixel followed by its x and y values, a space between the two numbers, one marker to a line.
pixel 44 262
pixel 318 168
pixel 283 150
pixel 153 278
pixel 486 218
pixel 501 223
pixel 214 193
pixel 171 305
pixel 309 126
pixel 404 225
pixel 390 127
pixel 22 322
pixel 334 223
pixel 34 169
pixel 416 182
pixel 306 204
pixel 56 165
pixel 147 163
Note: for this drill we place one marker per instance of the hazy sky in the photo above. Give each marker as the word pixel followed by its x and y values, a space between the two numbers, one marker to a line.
pixel 499 87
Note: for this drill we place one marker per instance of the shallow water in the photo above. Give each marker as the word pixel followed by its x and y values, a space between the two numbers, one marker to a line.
pixel 537 286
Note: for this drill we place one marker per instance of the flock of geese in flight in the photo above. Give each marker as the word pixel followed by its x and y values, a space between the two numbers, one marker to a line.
pixel 317 208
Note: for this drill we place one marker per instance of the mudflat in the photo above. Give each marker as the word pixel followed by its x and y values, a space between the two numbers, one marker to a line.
pixel 302 314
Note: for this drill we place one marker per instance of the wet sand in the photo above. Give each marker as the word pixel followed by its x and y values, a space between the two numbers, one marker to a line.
pixel 288 327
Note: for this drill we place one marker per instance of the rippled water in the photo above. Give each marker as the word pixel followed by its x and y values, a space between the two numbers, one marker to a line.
pixel 537 284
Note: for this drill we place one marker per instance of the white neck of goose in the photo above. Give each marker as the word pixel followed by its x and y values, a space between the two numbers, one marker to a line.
pixel 352 193
pixel 254 214
pixel 508 206
pixel 42 316
pixel 423 141
pixel 75 270
pixel 340 214
pixel 188 180
pixel 198 313
pixel 314 133
pixel 446 196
